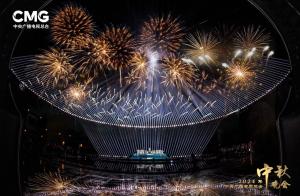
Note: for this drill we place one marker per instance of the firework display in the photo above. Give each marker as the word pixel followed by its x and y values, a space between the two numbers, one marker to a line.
pixel 140 69
pixel 177 72
pixel 202 47
pixel 71 26
pixel 164 34
pixel 251 37
pixel 104 184
pixel 157 75
pixel 92 60
pixel 240 75
pixel 51 184
pixel 55 67
pixel 122 45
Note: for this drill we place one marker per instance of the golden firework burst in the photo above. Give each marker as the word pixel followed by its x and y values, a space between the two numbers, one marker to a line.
pixel 76 93
pixel 55 67
pixel 240 75
pixel 121 43
pixel 92 59
pixel 251 37
pixel 100 51
pixel 71 26
pixel 162 34
pixel 139 63
pixel 202 47
pixel 140 70
pixel 51 184
pixel 177 73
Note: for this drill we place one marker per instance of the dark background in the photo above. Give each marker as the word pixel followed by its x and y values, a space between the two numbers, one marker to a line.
pixel 283 13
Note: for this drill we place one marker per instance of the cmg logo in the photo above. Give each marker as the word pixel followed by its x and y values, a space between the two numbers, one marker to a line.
pixel 30 16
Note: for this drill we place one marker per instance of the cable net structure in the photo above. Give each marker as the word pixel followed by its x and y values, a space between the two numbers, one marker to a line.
pixel 105 102
pixel 120 142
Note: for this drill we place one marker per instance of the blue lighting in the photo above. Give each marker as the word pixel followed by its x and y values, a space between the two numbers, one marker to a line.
pixel 149 155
